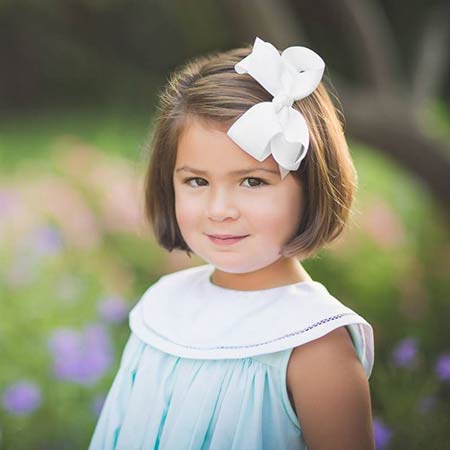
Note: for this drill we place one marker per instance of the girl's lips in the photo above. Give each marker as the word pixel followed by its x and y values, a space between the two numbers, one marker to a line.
pixel 226 241
pixel 226 236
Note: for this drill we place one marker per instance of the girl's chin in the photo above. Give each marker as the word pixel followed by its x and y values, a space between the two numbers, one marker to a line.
pixel 236 264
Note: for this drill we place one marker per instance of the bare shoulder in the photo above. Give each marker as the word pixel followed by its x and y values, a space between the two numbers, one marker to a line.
pixel 330 393
pixel 336 340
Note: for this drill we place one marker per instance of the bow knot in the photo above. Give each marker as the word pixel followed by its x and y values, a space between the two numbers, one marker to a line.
pixel 276 128
pixel 282 100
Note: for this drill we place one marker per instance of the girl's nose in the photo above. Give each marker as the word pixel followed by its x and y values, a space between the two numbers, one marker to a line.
pixel 222 205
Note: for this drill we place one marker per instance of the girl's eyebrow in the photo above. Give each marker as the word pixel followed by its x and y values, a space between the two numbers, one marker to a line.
pixel 235 172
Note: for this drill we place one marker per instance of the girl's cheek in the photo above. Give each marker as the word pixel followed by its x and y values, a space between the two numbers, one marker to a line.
pixel 258 206
pixel 187 210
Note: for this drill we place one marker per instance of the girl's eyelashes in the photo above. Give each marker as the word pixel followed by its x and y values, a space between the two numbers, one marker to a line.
pixel 188 181
pixel 260 181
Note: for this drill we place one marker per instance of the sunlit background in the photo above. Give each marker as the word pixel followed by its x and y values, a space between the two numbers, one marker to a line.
pixel 78 85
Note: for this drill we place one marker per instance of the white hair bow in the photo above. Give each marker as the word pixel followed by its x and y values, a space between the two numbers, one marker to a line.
pixel 275 127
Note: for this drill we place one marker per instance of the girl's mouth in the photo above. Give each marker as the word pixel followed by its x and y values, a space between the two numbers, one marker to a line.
pixel 226 241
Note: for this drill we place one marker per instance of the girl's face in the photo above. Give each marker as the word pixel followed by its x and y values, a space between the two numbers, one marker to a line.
pixel 211 197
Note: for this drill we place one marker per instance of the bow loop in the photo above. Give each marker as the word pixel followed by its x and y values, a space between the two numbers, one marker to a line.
pixel 276 127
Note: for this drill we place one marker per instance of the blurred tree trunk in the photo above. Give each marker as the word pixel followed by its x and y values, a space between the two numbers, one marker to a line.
pixel 387 111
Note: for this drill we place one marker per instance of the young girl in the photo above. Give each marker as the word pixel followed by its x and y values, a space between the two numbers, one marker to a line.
pixel 250 171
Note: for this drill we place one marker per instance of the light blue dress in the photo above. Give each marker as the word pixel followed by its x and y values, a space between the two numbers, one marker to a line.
pixel 205 366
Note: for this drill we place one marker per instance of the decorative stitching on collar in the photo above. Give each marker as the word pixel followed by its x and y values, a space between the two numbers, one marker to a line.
pixel 222 347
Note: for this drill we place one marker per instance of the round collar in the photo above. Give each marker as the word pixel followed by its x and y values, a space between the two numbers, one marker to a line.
pixel 187 315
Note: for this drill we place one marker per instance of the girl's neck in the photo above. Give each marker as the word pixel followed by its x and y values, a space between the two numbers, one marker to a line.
pixel 282 272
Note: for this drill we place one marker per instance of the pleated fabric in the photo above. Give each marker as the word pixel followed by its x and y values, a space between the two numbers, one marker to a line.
pixel 161 401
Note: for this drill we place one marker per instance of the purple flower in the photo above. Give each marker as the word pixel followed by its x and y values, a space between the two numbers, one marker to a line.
pixel 113 309
pixel 46 241
pixel 382 434
pixel 81 357
pixel 404 354
pixel 22 397
pixel 97 404
pixel 442 367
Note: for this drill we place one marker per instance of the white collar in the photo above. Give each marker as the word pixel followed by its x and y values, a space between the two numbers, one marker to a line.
pixel 185 314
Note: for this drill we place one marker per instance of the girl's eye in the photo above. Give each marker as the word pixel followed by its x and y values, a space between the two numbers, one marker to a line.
pixel 188 181
pixel 259 181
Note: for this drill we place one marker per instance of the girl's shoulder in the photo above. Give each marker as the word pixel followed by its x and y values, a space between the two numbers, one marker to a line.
pixel 185 314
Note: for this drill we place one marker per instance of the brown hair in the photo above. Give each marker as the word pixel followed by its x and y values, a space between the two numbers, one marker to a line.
pixel 209 89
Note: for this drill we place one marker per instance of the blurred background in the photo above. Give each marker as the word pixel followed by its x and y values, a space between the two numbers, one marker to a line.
pixel 79 81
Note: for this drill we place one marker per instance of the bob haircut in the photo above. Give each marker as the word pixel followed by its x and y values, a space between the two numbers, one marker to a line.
pixel 208 89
